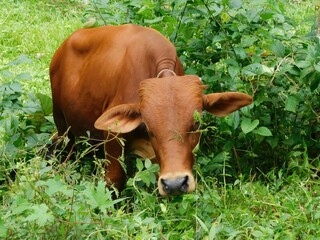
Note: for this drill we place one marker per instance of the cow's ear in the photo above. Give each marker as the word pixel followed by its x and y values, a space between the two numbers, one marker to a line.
pixel 120 119
pixel 222 104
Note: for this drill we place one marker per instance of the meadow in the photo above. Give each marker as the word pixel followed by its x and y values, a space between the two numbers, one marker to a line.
pixel 257 170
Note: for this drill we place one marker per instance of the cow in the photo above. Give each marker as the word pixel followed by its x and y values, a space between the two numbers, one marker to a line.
pixel 127 82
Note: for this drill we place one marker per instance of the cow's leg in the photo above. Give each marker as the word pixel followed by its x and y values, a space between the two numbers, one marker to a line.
pixel 115 174
pixel 64 141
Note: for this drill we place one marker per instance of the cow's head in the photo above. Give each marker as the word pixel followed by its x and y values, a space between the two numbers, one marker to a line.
pixel 167 106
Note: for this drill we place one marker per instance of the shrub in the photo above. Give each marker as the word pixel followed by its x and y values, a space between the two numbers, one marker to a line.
pixel 248 46
pixel 27 124
pixel 252 47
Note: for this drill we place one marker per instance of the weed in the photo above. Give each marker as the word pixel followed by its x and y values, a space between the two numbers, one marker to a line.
pixel 257 170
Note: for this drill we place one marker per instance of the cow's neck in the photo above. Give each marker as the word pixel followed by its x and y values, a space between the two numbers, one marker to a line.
pixel 166 66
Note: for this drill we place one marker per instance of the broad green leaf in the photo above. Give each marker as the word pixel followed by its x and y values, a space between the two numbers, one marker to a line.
pixel 306 71
pixel 233 71
pixel 221 157
pixel 317 67
pixel 50 119
pixel 303 64
pixel 32 140
pixel 267 15
pixel 163 208
pixel 90 23
pixel 7 74
pixel 233 120
pixel 54 186
pixel 139 164
pixel 278 48
pixel 235 3
pixel 247 125
pixel 45 170
pixel 16 87
pixel 147 163
pixel 20 60
pixel 248 41
pixel 3 229
pixel 148 176
pixel 263 131
pixel 317 215
pixel 21 205
pixel 41 215
pixel 258 234
pixel 279 17
pixel 225 17
pixel 291 104
pixel 99 196
pixel 202 224
pixel 216 9
pixel 23 76
pixel 236 119
pixel 155 20
pixel 240 52
pixel 273 142
pixel 267 70
pixel 255 69
pixel 46 103
pixel 314 84
pixel 214 230
pixel 286 68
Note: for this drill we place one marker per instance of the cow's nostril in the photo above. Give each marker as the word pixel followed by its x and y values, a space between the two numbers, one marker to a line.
pixel 175 186
pixel 185 186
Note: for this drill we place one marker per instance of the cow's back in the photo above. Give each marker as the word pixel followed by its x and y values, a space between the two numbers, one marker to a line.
pixel 96 69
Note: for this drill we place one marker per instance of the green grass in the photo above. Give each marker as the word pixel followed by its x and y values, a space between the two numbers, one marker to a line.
pixel 36 29
pixel 58 202
pixel 304 14
pixel 48 200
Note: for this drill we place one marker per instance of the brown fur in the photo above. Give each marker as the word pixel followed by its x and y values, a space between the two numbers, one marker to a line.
pixel 104 79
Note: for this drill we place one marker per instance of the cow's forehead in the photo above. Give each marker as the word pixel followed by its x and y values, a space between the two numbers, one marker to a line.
pixel 177 89
pixel 171 100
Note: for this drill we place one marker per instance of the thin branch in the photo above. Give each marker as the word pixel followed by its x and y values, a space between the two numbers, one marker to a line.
pixel 99 12
pixel 180 20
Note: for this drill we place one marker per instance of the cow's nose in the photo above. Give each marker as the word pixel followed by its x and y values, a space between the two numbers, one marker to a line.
pixel 175 186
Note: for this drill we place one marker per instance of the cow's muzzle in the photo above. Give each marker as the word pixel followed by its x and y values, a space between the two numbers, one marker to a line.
pixel 176 184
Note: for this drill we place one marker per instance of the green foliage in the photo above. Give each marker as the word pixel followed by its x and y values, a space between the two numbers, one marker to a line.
pixel 26 120
pixel 48 202
pixel 28 41
pixel 257 169
pixel 247 46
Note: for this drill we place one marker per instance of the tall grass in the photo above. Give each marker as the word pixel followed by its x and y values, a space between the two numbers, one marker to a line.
pixel 44 199
pixel 36 29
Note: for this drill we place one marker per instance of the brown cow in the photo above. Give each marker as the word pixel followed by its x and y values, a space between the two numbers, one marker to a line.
pixel 128 80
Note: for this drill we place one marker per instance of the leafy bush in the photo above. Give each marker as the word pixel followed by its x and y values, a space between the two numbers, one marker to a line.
pixel 248 46
pixel 27 124
pixel 51 202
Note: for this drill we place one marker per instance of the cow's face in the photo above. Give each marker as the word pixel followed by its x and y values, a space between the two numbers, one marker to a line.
pixel 167 108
